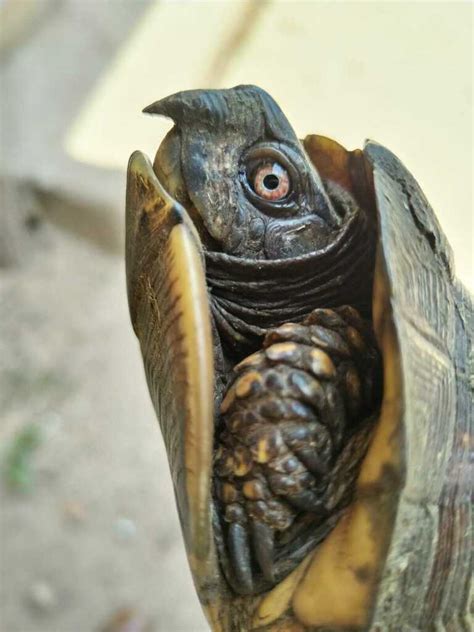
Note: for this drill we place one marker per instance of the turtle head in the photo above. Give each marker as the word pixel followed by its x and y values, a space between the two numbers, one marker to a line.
pixel 234 162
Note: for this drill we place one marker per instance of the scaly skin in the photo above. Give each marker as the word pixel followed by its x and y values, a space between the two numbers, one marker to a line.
pixel 295 426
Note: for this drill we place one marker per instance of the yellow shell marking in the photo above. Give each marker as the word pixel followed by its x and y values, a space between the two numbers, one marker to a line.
pixel 339 586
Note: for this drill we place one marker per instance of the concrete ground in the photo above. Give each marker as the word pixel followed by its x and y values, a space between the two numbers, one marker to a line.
pixel 89 533
pixel 94 529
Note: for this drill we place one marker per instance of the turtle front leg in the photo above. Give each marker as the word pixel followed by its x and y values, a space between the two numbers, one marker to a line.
pixel 295 425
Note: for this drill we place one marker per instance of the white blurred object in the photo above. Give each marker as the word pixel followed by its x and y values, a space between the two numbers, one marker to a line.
pixel 42 596
pixel 125 529
pixel 171 49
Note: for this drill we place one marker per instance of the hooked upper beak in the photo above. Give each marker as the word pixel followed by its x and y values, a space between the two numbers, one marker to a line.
pixel 167 167
pixel 186 107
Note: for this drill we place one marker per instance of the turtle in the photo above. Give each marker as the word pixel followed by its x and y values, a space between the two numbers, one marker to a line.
pixel 307 349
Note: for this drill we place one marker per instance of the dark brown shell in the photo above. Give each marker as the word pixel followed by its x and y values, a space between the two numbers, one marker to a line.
pixel 425 580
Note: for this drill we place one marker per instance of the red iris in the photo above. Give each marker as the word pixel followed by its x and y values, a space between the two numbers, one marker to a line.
pixel 271 181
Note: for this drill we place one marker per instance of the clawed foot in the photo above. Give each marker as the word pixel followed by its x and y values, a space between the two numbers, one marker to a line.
pixel 293 435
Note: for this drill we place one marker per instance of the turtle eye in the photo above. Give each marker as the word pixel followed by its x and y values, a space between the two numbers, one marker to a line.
pixel 271 181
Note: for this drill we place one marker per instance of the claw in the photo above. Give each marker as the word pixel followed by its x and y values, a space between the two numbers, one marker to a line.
pixel 311 459
pixel 307 500
pixel 314 458
pixel 333 415
pixel 328 318
pixel 328 340
pixel 239 550
pixel 263 540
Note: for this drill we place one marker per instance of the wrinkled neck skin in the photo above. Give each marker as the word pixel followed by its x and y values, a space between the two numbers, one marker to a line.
pixel 249 297
pixel 266 262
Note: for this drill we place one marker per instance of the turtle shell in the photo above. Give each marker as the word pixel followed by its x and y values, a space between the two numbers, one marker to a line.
pixel 425 580
pixel 399 557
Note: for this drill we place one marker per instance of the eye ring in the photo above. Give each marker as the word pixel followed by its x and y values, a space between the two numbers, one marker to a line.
pixel 271 181
pixel 264 154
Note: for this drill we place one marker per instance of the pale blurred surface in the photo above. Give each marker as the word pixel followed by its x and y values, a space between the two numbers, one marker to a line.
pixel 399 73
pixel 95 531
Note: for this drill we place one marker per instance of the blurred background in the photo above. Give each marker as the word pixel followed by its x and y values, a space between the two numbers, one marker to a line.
pixel 89 532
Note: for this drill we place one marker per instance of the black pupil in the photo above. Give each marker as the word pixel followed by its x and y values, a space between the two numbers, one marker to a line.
pixel 271 181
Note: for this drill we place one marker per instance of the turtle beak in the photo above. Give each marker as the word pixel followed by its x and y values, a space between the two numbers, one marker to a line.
pixel 167 167
pixel 167 163
pixel 197 115
pixel 187 107
pixel 183 108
